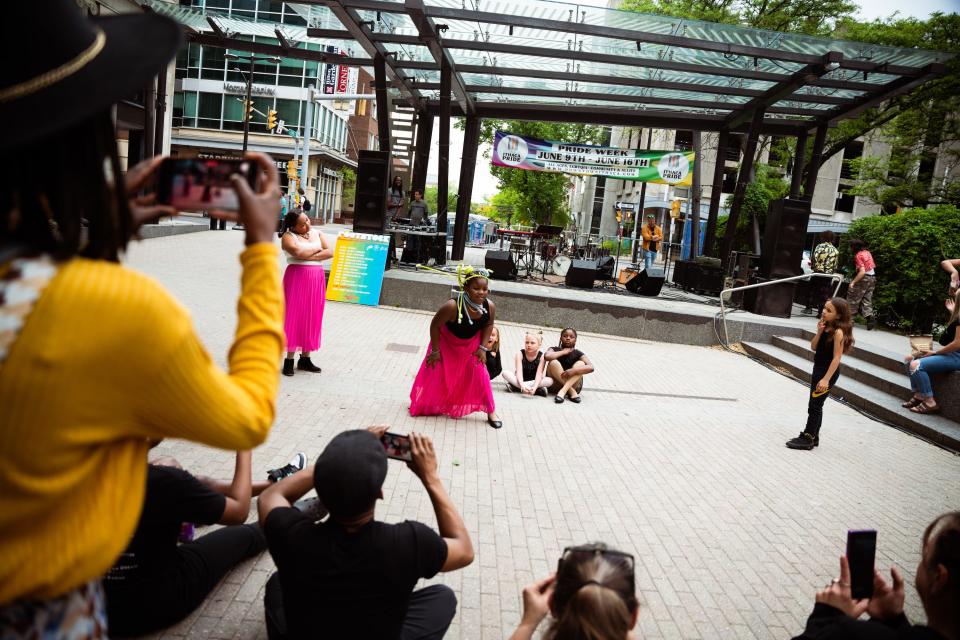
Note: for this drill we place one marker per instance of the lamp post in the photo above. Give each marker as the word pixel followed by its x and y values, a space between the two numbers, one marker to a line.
pixel 246 103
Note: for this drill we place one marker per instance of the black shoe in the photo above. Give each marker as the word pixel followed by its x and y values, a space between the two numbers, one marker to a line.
pixel 804 442
pixel 576 399
pixel 872 322
pixel 297 463
pixel 496 424
pixel 511 389
pixel 304 364
pixel 541 392
pixel 288 366
pixel 558 399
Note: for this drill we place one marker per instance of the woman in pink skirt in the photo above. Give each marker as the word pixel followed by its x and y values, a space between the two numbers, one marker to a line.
pixel 453 378
pixel 304 289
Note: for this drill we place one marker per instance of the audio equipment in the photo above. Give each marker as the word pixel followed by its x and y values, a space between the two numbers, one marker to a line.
pixel 784 235
pixel 581 274
pixel 370 206
pixel 647 283
pixel 500 264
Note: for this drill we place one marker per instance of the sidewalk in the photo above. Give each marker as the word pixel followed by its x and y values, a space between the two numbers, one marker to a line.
pixel 675 455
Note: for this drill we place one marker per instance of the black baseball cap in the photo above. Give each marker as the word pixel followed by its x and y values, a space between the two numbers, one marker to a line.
pixel 349 474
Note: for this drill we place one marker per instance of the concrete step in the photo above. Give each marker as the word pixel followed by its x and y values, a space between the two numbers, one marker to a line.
pixel 894 383
pixel 889 360
pixel 873 401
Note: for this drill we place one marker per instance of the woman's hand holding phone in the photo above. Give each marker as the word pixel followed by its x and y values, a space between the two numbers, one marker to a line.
pixel 145 209
pixel 260 210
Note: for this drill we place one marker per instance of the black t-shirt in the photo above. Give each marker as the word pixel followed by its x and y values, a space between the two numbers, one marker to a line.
pixel 467 329
pixel 949 334
pixel 494 366
pixel 349 585
pixel 568 360
pixel 173 497
pixel 530 366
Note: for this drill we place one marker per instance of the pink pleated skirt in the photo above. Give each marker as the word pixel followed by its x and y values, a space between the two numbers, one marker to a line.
pixel 456 386
pixel 305 292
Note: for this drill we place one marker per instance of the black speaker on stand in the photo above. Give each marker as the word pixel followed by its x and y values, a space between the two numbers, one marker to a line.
pixel 783 239
pixel 370 206
pixel 500 264
pixel 581 274
pixel 647 283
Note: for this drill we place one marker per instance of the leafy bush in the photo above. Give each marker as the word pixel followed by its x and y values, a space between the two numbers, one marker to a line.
pixel 767 185
pixel 908 248
pixel 612 245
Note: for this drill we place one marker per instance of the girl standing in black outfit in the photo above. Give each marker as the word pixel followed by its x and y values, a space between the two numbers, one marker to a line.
pixel 834 338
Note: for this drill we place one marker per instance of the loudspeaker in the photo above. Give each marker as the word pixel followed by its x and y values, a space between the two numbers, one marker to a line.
pixel 784 237
pixel 581 274
pixel 500 264
pixel 775 301
pixel 647 283
pixel 370 206
pixel 605 266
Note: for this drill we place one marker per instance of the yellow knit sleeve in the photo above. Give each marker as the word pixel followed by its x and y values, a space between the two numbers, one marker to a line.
pixel 190 397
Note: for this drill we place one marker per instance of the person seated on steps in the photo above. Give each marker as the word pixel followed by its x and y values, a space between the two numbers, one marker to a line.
pixel 566 366
pixel 353 576
pixel 528 376
pixel 156 582
pixel 943 360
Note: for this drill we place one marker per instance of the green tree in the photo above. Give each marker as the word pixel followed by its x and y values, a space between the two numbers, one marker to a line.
pixel 767 185
pixel 349 185
pixel 537 197
pixel 430 197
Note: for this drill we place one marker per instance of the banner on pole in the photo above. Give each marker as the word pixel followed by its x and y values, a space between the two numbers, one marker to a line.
pixel 661 167
pixel 359 260
pixel 330 73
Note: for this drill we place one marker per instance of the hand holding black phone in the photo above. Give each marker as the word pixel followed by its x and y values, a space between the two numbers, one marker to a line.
pixel 194 184
pixel 397 446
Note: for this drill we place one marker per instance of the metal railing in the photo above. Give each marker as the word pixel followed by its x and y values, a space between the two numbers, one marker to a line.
pixel 805 276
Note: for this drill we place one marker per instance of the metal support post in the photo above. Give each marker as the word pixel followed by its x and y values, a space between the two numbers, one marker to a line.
pixel 443 159
pixel 471 140
pixel 695 200
pixel 149 120
pixel 746 166
pixel 246 107
pixel 307 134
pixel 816 157
pixel 798 163
pixel 638 215
pixel 422 158
pixel 716 192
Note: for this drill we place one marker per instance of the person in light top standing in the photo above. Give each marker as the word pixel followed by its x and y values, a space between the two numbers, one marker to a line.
pixel 304 289
pixel 860 294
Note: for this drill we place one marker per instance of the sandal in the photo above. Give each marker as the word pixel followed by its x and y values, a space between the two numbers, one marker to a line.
pixel 911 403
pixel 922 408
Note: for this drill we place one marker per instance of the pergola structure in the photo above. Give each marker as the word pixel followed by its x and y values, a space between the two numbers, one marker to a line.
pixel 554 61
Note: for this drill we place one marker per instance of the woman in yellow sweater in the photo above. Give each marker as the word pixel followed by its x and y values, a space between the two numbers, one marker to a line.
pixel 96 359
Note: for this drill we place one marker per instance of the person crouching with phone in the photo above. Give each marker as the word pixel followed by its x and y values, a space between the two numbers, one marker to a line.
pixel 453 379
pixel 837 607
pixel 834 338
pixel 304 289
pixel 353 576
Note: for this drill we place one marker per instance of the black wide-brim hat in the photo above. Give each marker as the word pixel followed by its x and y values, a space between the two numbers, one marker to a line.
pixel 59 67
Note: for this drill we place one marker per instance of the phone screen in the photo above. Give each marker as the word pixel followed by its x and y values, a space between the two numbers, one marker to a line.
pixel 861 550
pixel 193 184
pixel 397 446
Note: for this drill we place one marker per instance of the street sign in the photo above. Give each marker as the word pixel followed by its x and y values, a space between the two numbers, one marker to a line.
pixel 625 206
pixel 280 126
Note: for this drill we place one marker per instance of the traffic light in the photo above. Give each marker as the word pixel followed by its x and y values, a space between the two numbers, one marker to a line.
pixel 271 119
pixel 675 209
pixel 619 216
pixel 248 105
pixel 291 169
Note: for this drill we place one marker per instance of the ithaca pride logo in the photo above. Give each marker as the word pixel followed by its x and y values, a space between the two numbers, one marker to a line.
pixel 512 150
pixel 673 167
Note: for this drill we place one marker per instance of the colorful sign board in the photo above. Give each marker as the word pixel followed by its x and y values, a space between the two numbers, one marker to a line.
pixel 359 260
pixel 661 167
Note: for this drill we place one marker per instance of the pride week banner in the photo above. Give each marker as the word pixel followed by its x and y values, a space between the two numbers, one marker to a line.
pixel 357 273
pixel 662 167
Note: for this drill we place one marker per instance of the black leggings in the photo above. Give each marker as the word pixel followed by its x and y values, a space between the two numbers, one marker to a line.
pixel 815 405
pixel 172 593
pixel 429 614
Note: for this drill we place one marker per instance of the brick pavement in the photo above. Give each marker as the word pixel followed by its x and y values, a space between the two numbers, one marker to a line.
pixel 676 455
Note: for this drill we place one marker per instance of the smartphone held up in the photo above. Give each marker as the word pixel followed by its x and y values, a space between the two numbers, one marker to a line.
pixel 861 552
pixel 397 446
pixel 194 184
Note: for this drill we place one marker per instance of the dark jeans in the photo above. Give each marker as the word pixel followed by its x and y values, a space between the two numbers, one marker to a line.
pixel 429 614
pixel 815 406
pixel 818 292
pixel 157 602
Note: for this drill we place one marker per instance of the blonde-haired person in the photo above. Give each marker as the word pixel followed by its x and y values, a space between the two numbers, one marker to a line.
pixel 494 365
pixel 592 595
pixel 453 378
pixel 527 376
pixel 943 360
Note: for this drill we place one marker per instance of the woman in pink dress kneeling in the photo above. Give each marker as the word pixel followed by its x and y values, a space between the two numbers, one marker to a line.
pixel 453 378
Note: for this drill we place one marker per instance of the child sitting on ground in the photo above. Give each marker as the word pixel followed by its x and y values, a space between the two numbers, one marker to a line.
pixel 527 376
